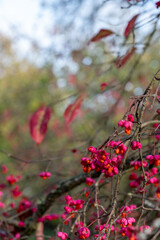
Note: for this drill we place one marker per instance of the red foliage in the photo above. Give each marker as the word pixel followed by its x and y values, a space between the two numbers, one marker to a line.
pixel 120 62
pixel 73 110
pixel 38 124
pixel 158 4
pixel 130 26
pixel 101 34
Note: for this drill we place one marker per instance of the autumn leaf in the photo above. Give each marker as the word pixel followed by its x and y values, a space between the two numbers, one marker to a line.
pixel 130 26
pixel 38 124
pixel 73 110
pixel 120 62
pixel 101 34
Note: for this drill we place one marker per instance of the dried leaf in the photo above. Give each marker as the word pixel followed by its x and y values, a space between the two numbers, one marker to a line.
pixel 101 34
pixel 130 26
pixel 73 110
pixel 38 124
pixel 120 62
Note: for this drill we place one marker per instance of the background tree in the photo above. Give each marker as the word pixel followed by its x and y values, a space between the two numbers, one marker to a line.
pixel 80 103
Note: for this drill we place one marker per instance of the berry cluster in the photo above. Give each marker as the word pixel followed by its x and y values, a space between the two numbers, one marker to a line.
pixel 137 164
pixel 62 235
pixel 136 145
pixel 11 179
pixel 127 124
pixel 103 86
pixel 100 229
pixel 16 192
pixel 157 130
pixel 71 208
pixel 4 169
pixel 45 175
pixel 83 233
pixel 90 181
pixel 119 147
pixel 151 177
pixel 99 160
pixel 26 208
pixel 154 159
pixel 126 222
pixel 48 217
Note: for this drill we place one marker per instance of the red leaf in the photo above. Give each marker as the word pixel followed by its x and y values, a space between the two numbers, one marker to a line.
pixel 38 124
pixel 120 62
pixel 101 34
pixel 73 110
pixel 130 26
pixel 158 4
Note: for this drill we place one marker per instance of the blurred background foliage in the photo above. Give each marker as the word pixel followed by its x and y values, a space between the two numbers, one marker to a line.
pixel 25 86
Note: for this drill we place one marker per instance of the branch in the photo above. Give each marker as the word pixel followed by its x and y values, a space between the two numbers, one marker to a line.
pixel 63 187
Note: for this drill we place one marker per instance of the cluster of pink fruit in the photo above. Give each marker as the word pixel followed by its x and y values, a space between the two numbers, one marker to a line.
pixel 127 124
pixel 71 208
pixel 99 161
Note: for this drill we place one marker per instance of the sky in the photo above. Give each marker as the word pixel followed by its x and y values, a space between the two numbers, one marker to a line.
pixel 18 12
pixel 22 14
pixel 24 17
